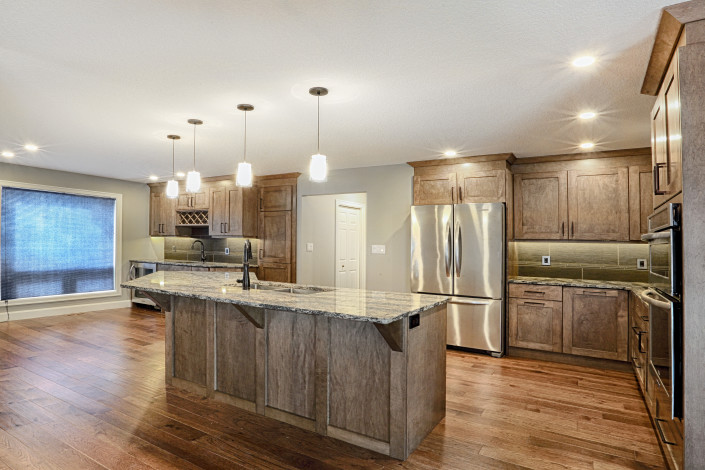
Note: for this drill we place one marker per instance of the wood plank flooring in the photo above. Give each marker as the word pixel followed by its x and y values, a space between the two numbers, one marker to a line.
pixel 87 391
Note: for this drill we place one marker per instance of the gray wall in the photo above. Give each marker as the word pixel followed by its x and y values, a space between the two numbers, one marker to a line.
pixel 389 198
pixel 135 218
pixel 318 227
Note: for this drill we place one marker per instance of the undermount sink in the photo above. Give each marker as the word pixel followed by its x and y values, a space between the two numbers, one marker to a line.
pixel 284 290
pixel 310 290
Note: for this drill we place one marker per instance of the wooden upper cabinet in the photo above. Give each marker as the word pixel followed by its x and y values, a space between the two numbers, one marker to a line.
pixel 535 324
pixel 540 206
pixel 275 237
pixel 233 210
pixel 162 213
pixel 481 186
pixel 276 198
pixel 595 323
pixel 431 189
pixel 598 204
pixel 641 200
pixel 193 201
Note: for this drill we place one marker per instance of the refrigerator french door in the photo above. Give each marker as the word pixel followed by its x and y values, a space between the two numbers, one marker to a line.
pixel 458 250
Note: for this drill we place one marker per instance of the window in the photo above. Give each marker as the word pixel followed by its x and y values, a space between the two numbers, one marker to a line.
pixel 57 243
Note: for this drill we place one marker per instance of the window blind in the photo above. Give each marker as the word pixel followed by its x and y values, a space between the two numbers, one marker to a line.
pixel 55 243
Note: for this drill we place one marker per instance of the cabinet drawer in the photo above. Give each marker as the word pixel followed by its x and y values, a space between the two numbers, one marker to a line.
pixel 533 291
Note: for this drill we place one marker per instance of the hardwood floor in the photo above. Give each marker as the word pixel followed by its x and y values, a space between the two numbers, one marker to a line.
pixel 87 391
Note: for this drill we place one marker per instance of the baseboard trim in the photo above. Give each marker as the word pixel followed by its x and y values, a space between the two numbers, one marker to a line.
pixel 63 310
pixel 570 359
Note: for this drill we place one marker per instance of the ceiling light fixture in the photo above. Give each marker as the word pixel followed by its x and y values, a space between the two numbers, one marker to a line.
pixel 584 61
pixel 153 177
pixel 587 115
pixel 318 169
pixel 172 186
pixel 450 153
pixel 31 147
pixel 8 154
pixel 587 145
pixel 193 178
pixel 243 177
pixel 180 174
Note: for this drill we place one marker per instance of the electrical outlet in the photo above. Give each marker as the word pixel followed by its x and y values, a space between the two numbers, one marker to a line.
pixel 227 275
pixel 545 261
pixel 309 247
pixel 641 263
pixel 227 251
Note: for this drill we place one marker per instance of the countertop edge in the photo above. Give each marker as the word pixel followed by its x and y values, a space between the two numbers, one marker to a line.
pixel 635 287
pixel 207 264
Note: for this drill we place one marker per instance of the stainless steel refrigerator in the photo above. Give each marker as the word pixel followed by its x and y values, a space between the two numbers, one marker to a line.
pixel 458 250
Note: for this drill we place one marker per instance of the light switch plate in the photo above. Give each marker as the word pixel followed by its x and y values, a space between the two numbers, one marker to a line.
pixel 379 249
pixel 641 263
pixel 545 261
pixel 227 251
pixel 173 248
pixel 309 247
pixel 227 275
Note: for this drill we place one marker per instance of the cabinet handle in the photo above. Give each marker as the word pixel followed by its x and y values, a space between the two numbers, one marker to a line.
pixel 537 292
pixel 460 194
pixel 572 229
pixel 595 293
pixel 638 337
pixel 644 317
pixel 636 366
pixel 562 229
pixel 452 195
pixel 535 303
pixel 260 203
pixel 657 179
pixel 660 431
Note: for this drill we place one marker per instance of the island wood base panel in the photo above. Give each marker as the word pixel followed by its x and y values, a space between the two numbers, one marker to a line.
pixel 378 386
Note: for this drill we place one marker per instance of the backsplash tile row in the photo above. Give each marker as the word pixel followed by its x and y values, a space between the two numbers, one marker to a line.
pixel 179 248
pixel 578 260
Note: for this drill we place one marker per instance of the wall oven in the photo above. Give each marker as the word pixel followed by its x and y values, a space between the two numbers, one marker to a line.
pixel 138 269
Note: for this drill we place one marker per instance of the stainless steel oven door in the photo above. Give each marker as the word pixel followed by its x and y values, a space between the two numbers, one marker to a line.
pixel 661 261
pixel 666 347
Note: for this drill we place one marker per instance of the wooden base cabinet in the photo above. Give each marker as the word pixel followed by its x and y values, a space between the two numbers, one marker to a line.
pixel 595 323
pixel 535 324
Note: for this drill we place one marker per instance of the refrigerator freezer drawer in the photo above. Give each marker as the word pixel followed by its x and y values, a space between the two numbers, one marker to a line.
pixel 476 323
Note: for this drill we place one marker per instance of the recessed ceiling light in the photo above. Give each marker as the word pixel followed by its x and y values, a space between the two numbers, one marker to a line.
pixel 180 174
pixel 584 61
pixel 8 154
pixel 450 153
pixel 587 145
pixel 31 147
pixel 587 115
pixel 153 177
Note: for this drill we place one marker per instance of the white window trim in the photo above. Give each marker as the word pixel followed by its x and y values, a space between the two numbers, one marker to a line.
pixel 117 252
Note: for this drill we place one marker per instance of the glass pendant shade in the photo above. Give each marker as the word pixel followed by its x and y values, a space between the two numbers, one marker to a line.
pixel 318 170
pixel 244 175
pixel 193 181
pixel 172 189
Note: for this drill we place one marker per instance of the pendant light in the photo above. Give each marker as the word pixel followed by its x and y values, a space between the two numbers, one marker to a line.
pixel 318 169
pixel 172 186
pixel 243 177
pixel 193 178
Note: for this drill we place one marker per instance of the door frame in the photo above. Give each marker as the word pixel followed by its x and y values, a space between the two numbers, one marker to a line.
pixel 362 274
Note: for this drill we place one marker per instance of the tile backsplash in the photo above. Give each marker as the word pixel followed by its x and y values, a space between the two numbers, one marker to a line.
pixel 179 248
pixel 579 260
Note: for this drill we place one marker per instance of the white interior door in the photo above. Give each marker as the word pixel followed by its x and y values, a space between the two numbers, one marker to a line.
pixel 349 244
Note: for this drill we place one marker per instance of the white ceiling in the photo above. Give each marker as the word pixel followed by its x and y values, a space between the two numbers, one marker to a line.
pixel 98 85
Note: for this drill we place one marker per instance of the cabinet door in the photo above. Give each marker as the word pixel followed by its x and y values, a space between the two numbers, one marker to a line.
pixel 434 189
pixel 598 204
pixel 659 151
pixel 194 201
pixel 276 198
pixel 155 214
pixel 641 200
pixel 162 214
pixel 275 237
pixel 168 215
pixel 217 214
pixel 595 323
pixel 541 206
pixel 275 272
pixel 671 101
pixel 535 324
pixel 481 186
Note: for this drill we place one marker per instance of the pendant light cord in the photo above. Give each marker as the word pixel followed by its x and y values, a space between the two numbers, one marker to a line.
pixel 244 152
pixel 194 147
pixel 319 122
pixel 173 166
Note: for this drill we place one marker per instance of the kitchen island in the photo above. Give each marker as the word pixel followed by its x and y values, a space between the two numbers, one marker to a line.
pixel 361 366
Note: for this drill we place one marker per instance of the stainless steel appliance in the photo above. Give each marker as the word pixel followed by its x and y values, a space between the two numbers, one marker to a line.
pixel 666 323
pixel 458 250
pixel 138 269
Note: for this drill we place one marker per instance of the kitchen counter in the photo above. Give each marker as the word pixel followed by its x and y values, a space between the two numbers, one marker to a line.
pixel 350 304
pixel 364 367
pixel 207 264
pixel 636 287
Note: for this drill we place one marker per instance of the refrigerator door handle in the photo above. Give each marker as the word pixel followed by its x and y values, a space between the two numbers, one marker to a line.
pixel 449 243
pixel 458 249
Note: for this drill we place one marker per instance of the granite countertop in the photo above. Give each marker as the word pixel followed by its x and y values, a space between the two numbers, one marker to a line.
pixel 636 287
pixel 350 304
pixel 207 264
